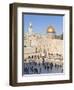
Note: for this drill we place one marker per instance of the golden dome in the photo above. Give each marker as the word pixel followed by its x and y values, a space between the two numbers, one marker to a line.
pixel 50 29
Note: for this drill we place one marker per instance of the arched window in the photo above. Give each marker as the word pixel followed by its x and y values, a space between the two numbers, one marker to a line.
pixel 32 57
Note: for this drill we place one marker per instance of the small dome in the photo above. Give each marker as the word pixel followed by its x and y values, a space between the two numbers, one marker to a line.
pixel 50 29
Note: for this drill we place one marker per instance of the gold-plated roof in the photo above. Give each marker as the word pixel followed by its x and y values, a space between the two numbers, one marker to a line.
pixel 50 29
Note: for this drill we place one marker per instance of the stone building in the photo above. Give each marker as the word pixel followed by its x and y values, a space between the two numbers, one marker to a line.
pixel 37 46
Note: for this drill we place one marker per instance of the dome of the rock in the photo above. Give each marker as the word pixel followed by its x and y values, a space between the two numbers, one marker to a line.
pixel 50 29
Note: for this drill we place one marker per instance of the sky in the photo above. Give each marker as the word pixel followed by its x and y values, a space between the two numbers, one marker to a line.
pixel 40 23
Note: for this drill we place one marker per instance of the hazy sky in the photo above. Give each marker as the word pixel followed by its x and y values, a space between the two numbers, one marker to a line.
pixel 41 22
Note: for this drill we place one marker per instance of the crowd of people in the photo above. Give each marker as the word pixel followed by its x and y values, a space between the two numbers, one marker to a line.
pixel 33 67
